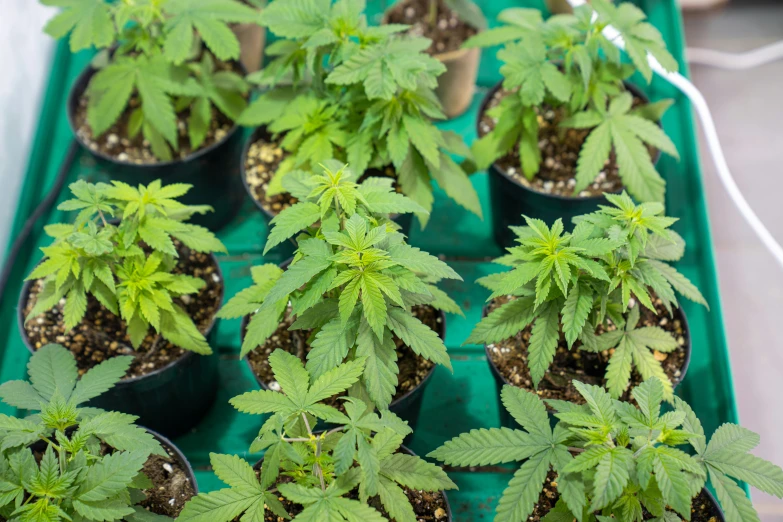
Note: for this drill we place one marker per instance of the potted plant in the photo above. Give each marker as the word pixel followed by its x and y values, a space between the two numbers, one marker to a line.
pixel 598 303
pixel 353 289
pixel 448 23
pixel 334 105
pixel 160 99
pixel 565 127
pixel 611 460
pixel 146 284
pixel 69 462
pixel 251 37
pixel 358 470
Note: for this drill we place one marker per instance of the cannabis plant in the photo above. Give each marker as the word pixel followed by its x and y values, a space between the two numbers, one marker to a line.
pixel 571 283
pixel 616 459
pixel 367 99
pixel 127 265
pixel 318 471
pixel 567 63
pixel 69 462
pixel 157 61
pixel 352 282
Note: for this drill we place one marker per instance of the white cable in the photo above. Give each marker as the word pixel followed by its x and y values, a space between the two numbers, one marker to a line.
pixel 713 142
pixel 735 61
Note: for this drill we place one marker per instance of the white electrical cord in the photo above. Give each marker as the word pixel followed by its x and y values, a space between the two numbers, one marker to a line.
pixel 711 134
pixel 735 61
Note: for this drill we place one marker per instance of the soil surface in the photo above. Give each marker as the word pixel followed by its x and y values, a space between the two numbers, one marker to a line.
pixel 702 509
pixel 559 153
pixel 510 357
pixel 263 158
pixel 102 334
pixel 413 368
pixel 117 144
pixel 172 486
pixel 447 32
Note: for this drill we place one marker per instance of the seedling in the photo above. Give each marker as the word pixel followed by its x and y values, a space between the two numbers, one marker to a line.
pixel 159 58
pixel 567 63
pixel 574 282
pixel 76 478
pixel 318 470
pixel 353 279
pixel 127 266
pixel 369 101
pixel 616 459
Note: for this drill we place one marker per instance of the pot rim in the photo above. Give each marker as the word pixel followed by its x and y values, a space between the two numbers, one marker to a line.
pixel 404 449
pixel 497 170
pixel 265 386
pixel 683 370
pixel 20 320
pixel 76 92
pixel 458 54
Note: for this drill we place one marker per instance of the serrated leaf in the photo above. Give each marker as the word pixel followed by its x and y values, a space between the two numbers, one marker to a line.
pixel 504 322
pixel 523 490
pixel 52 369
pixel 481 447
pixel 419 337
pixel 543 342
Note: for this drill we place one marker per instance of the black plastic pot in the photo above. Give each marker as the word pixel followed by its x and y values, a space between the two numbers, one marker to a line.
pixel 170 400
pixel 287 248
pixel 510 199
pixel 213 171
pixel 406 407
pixel 405 450
pixel 508 421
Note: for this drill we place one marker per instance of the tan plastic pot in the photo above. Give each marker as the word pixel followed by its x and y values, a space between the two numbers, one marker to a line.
pixel 458 84
pixel 252 38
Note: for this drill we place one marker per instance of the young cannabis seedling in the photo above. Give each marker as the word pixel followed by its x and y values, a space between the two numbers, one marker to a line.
pixel 317 471
pixel 574 282
pixel 75 478
pixel 615 459
pixel 369 102
pixel 161 55
pixel 567 63
pixel 353 279
pixel 127 267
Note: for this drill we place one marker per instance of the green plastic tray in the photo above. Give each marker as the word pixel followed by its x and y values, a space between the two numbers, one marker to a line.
pixel 453 403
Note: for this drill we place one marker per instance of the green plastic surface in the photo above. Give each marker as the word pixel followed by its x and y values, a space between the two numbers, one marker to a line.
pixel 456 402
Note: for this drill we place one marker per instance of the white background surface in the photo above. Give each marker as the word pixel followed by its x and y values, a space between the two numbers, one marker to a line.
pixel 25 53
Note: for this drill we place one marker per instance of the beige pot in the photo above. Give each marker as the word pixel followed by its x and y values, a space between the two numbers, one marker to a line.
pixel 457 85
pixel 251 43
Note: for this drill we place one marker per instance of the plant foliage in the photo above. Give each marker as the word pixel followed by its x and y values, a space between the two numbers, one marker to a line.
pixel 566 62
pixel 615 459
pixel 75 479
pixel 570 283
pixel 365 97
pixel 352 282
pixel 127 266
pixel 318 470
pixel 160 54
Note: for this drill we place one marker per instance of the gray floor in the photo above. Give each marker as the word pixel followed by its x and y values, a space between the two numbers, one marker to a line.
pixel 748 112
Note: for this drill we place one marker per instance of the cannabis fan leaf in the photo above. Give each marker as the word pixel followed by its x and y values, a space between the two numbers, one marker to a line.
pixel 615 459
pixel 75 478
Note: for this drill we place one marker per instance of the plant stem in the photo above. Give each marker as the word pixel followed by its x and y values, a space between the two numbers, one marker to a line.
pixel 318 469
pixel 433 12
pixel 576 450
pixel 296 439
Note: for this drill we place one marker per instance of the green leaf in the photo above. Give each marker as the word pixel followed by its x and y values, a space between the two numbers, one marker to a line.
pixel 578 306
pixel 291 221
pixel 221 505
pixel 52 369
pixel 331 344
pixel 419 337
pixel 481 447
pixel 259 402
pixel 88 21
pixel 235 472
pixel 335 381
pixel 679 282
pixel 421 262
pixel 21 394
pixel 395 501
pixel 522 493
pixel 527 409
pixel 611 477
pixel 734 502
pixel 415 473
pixel 291 374
pixel 380 368
pixel 110 476
pixel 543 342
pixel 504 322
pixel 455 182
pixel 592 156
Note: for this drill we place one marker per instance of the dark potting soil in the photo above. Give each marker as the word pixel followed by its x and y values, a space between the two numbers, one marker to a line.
pixel 413 368
pixel 702 509
pixel 446 31
pixel 263 159
pixel 559 154
pixel 510 357
pixel 117 144
pixel 102 335
pixel 172 487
